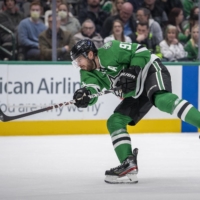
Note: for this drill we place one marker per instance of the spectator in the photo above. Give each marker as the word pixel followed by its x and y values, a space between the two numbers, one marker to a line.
pixel 188 5
pixel 93 12
pixel 113 7
pixel 145 37
pixel 143 15
pixel 170 47
pixel 65 42
pixel 168 5
pixel 48 12
pixel 116 6
pixel 126 16
pixel 28 32
pixel 118 33
pixel 176 18
pixel 157 12
pixel 10 18
pixel 193 18
pixel 88 32
pixel 192 45
pixel 68 23
pixel 25 6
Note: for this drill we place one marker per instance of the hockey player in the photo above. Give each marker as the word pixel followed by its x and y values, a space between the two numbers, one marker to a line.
pixel 144 82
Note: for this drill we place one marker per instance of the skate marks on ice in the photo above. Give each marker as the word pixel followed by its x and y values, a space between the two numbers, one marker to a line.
pixel 73 167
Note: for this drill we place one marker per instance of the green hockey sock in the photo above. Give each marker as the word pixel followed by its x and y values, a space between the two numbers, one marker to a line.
pixel 193 117
pixel 120 138
pixel 170 103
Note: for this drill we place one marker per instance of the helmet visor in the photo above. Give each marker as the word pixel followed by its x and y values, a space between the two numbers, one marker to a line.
pixel 77 61
pixel 74 64
pixel 74 56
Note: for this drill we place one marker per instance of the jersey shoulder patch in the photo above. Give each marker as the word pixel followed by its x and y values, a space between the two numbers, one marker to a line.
pixel 107 45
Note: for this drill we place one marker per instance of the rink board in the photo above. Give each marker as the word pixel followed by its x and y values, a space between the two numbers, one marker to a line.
pixel 28 87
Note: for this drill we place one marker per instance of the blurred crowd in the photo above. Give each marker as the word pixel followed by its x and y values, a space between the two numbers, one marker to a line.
pixel 168 28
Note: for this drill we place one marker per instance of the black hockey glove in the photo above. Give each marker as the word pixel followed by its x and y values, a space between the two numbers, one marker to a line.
pixel 127 80
pixel 81 97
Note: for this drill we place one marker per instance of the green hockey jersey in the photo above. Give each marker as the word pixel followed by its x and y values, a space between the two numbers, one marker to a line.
pixel 114 57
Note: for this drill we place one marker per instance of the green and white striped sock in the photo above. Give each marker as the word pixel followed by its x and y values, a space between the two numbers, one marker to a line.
pixel 122 144
pixel 120 138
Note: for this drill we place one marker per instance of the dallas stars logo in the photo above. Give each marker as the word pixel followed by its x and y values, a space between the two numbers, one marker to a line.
pixel 113 82
pixel 107 45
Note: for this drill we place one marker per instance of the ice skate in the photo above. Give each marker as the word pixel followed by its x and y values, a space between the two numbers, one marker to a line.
pixel 124 173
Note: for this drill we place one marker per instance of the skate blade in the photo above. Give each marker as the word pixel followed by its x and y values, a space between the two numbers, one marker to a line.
pixel 128 179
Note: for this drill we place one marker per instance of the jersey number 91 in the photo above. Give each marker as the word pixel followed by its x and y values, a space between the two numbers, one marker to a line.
pixel 124 45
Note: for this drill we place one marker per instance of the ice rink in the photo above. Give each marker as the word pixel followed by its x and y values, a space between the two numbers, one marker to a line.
pixel 73 167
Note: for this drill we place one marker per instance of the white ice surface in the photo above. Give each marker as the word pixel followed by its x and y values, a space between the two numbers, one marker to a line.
pixel 72 168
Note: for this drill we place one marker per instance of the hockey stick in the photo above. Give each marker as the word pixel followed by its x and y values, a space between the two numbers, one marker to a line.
pixel 6 118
